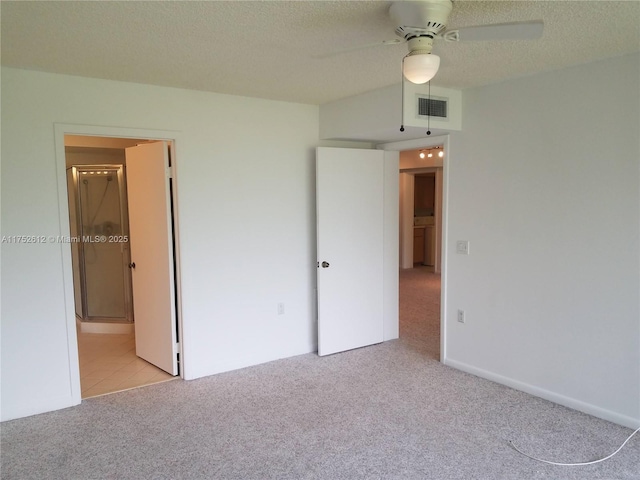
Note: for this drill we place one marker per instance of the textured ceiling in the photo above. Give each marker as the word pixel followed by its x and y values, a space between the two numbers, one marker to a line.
pixel 279 49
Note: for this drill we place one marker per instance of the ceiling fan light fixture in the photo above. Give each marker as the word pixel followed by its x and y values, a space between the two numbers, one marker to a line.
pixel 420 67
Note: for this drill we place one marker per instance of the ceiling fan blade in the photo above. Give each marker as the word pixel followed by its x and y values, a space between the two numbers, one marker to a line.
pixel 394 41
pixel 502 31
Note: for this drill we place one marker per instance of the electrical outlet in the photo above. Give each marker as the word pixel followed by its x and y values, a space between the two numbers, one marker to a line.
pixel 281 309
pixel 461 316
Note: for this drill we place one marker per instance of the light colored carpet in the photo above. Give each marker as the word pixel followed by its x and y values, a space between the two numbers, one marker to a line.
pixel 389 411
pixel 420 310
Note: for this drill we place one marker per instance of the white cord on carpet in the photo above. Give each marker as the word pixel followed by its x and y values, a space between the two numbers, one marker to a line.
pixel 576 464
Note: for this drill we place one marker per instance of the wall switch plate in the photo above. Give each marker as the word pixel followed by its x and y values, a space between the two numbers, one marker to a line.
pixel 462 247
pixel 281 309
pixel 461 316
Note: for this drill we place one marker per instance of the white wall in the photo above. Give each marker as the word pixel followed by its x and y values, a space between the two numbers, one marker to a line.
pixel 359 117
pixel 544 183
pixel 245 179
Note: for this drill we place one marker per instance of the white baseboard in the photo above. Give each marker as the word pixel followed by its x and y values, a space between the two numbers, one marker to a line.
pixel 573 403
pixel 236 363
pixel 105 327
pixel 37 406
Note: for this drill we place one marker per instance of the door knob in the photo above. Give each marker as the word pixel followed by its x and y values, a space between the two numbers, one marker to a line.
pixel 325 264
pixel 132 265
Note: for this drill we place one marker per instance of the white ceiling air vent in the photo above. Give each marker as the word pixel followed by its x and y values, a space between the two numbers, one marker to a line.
pixel 432 107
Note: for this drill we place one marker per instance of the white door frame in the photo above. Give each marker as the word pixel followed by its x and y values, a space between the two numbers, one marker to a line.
pixel 428 142
pixel 60 130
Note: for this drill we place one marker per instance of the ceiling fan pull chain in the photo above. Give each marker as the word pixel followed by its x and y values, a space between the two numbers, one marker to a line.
pixel 429 111
pixel 402 99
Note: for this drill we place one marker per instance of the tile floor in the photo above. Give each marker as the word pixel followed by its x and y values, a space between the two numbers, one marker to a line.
pixel 108 363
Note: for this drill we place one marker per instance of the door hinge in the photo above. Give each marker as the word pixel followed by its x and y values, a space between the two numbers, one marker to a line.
pixel 169 172
pixel 176 347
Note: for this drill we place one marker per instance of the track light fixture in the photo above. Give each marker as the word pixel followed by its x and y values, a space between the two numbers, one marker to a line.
pixel 430 152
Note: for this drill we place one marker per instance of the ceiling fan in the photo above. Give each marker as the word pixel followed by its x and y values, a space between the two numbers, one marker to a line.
pixel 421 22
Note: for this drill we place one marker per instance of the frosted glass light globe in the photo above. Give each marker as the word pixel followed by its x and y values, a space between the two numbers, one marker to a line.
pixel 420 68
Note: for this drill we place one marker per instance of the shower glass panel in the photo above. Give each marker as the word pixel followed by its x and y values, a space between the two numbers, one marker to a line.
pixel 102 249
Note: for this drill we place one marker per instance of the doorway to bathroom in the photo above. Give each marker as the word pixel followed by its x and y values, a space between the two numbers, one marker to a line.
pixel 120 212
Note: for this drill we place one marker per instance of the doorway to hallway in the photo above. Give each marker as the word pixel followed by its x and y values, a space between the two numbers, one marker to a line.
pixel 421 229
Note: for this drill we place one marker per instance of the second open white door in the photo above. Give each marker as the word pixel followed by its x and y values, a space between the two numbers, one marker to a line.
pixel 349 203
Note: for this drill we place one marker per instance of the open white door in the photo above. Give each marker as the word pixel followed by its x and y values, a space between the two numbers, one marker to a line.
pixel 349 203
pixel 151 240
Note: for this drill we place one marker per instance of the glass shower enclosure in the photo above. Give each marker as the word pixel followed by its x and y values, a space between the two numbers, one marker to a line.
pixel 100 243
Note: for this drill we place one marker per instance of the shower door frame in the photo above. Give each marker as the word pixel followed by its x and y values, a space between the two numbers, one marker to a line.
pixel 119 170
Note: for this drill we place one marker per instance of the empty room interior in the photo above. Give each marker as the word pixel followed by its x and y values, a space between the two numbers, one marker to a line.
pixel 313 230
